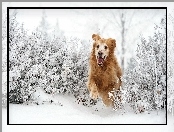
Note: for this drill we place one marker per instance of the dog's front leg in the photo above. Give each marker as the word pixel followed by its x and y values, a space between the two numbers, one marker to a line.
pixel 92 87
pixel 94 93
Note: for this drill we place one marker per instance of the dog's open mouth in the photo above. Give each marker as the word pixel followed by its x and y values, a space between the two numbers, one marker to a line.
pixel 100 60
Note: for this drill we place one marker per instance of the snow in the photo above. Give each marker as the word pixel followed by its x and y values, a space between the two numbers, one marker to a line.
pixel 64 110
pixel 69 112
pixel 66 114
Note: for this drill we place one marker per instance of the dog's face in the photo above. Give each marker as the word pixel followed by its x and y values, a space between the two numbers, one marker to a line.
pixel 101 51
pixel 103 48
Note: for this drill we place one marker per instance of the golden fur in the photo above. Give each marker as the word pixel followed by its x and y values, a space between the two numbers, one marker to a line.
pixel 106 78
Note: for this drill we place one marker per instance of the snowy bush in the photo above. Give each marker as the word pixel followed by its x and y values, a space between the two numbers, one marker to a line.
pixel 145 84
pixel 56 65
pixel 19 62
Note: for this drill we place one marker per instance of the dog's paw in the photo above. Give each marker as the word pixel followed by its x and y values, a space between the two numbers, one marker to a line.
pixel 94 94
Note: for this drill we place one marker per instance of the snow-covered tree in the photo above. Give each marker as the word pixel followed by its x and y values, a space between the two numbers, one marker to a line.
pixel 146 83
pixel 19 62
pixel 43 29
pixel 57 32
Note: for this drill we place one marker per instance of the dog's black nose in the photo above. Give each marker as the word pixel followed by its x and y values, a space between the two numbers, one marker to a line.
pixel 100 53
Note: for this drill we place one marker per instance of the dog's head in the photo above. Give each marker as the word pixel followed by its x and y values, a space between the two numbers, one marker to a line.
pixel 103 48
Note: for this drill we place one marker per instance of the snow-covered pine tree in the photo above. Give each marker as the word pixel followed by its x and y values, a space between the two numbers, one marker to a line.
pixel 13 30
pixel 161 63
pixel 19 90
pixel 57 32
pixel 80 66
pixel 44 27
pixel 53 65
pixel 146 83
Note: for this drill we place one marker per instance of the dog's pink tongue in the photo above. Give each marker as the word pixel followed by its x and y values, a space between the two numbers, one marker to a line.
pixel 100 60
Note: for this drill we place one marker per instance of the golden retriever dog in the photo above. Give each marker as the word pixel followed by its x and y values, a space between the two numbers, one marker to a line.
pixel 104 75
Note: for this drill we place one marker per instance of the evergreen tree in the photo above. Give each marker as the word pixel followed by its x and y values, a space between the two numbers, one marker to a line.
pixel 146 83
pixel 18 61
pixel 57 32
pixel 43 28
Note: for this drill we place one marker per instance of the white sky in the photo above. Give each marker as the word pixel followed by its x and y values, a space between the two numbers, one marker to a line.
pixel 81 22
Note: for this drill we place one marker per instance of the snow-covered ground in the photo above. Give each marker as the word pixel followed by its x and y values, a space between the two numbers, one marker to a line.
pixel 69 112
pixel 73 114
pixel 64 110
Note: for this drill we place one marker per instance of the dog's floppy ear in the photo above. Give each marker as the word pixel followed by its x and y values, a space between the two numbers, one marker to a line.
pixel 95 37
pixel 112 42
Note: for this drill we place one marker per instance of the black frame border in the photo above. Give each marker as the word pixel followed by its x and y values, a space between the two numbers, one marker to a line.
pixel 8 8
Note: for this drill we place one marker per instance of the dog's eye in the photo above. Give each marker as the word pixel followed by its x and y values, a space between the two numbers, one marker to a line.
pixel 97 46
pixel 106 47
